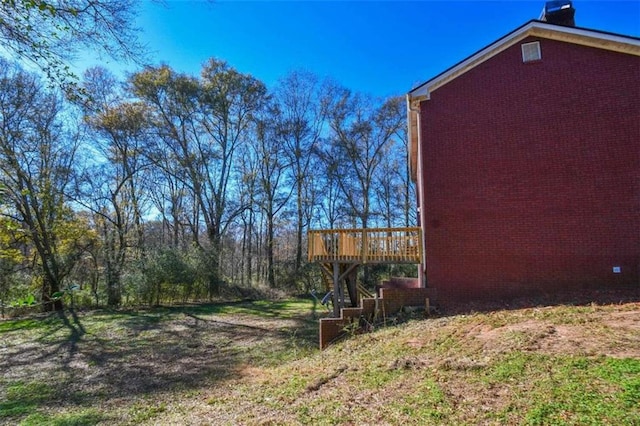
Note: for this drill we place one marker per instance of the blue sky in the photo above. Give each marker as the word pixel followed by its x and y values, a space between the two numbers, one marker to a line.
pixel 378 47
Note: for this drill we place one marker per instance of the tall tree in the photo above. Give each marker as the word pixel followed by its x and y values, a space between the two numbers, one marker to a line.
pixel 387 187
pixel 272 194
pixel 361 133
pixel 172 101
pixel 115 193
pixel 229 102
pixel 36 168
pixel 302 102
pixel 330 211
pixel 249 169
pixel 200 125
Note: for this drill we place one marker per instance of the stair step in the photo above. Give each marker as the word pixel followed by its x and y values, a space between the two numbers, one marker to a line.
pixel 390 302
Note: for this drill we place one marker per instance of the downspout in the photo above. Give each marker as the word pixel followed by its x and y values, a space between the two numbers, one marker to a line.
pixel 422 276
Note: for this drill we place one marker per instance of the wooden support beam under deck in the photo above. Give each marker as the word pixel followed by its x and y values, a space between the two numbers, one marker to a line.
pixel 340 251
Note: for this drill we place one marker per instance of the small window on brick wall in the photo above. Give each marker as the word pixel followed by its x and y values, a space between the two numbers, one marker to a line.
pixel 531 52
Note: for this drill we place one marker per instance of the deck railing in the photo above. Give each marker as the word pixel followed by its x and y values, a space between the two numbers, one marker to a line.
pixel 374 245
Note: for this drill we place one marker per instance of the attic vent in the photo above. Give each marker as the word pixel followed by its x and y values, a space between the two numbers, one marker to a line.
pixel 531 52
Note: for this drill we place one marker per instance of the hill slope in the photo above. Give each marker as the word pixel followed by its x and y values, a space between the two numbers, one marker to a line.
pixel 255 363
pixel 553 365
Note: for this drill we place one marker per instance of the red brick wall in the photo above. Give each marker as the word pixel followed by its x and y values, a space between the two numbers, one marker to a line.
pixel 532 174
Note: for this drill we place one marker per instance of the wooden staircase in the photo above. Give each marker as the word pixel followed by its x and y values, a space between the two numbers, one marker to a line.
pixel 371 310
pixel 340 252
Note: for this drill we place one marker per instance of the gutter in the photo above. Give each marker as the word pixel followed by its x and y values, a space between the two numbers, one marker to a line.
pixel 413 110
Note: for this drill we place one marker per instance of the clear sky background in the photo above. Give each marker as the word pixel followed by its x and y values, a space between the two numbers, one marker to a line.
pixel 378 47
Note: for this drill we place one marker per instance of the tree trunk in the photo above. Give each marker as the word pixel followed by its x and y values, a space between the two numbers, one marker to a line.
pixel 114 295
pixel 250 250
pixel 50 286
pixel 214 272
pixel 299 229
pixel 271 276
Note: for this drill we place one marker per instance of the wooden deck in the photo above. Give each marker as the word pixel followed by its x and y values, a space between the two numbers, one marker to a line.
pixel 362 246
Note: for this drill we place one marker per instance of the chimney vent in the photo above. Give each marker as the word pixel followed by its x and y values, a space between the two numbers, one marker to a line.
pixel 559 13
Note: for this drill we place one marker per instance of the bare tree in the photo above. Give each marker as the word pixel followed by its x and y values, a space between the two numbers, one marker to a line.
pixel 388 187
pixel 302 103
pixel 273 194
pixel 229 101
pixel 330 206
pixel 115 193
pixel 361 133
pixel 200 125
pixel 249 170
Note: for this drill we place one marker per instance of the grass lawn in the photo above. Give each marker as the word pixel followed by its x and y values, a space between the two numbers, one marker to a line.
pixel 258 363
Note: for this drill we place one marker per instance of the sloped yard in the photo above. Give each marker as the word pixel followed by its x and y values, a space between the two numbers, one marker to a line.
pixel 257 363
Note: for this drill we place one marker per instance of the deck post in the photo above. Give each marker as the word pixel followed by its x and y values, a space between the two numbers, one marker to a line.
pixel 352 287
pixel 365 250
pixel 336 290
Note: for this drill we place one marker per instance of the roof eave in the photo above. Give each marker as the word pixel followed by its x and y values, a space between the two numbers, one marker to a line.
pixel 582 36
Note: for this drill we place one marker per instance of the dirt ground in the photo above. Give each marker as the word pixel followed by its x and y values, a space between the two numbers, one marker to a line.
pixel 546 337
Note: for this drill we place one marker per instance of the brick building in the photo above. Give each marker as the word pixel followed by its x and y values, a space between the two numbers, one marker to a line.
pixel 526 157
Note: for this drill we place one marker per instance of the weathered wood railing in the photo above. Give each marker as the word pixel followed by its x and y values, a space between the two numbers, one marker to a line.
pixel 374 245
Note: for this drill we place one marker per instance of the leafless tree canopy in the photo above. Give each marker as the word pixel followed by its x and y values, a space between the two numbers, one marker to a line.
pixel 169 187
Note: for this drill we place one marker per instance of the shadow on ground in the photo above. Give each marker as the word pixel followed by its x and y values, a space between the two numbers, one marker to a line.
pixel 103 358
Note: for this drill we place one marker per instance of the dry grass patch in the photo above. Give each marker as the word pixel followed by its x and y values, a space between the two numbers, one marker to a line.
pixel 256 364
pixel 506 367
pixel 133 366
